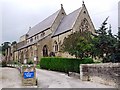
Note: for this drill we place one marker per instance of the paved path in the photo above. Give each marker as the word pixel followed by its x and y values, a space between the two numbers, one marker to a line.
pixel 50 79
pixel 11 78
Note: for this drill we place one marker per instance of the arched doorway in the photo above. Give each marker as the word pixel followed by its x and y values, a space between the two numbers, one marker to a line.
pixel 45 51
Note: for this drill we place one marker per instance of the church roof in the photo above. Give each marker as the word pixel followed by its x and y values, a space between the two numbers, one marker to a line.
pixel 67 23
pixel 45 24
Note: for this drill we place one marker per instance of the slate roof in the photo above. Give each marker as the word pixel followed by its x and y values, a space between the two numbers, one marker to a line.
pixel 45 24
pixel 68 22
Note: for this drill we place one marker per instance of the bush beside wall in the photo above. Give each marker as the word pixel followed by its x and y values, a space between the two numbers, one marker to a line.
pixel 63 64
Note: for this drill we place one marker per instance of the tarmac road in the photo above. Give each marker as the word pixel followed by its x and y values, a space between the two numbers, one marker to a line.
pixel 51 79
pixel 10 78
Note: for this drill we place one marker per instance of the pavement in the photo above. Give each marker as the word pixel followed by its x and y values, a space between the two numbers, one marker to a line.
pixel 51 79
pixel 11 78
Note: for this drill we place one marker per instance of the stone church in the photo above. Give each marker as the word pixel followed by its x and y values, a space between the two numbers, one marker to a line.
pixel 46 38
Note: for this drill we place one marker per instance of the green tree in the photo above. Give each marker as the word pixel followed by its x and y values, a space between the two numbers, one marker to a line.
pixel 104 43
pixel 117 48
pixel 111 45
pixel 5 45
pixel 100 41
pixel 78 44
pixel 13 43
pixel 95 52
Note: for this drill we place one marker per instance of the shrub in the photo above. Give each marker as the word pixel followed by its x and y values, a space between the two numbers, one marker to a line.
pixel 15 62
pixel 38 66
pixel 30 62
pixel 63 64
pixel 4 64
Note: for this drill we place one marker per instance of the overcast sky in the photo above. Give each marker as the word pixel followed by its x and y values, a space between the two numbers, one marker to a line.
pixel 18 15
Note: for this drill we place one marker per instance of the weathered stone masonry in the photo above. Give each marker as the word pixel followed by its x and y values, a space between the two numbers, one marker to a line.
pixel 108 73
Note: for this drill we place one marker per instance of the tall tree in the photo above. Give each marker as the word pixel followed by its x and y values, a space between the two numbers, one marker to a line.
pixel 111 45
pixel 13 43
pixel 104 43
pixel 117 47
pixel 5 45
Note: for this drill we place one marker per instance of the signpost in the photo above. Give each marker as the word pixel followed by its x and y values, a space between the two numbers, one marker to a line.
pixel 28 75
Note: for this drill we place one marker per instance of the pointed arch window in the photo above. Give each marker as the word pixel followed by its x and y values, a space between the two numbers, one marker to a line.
pixel 37 36
pixel 55 46
pixel 42 33
pixel 31 39
pixel 45 51
pixel 84 12
pixel 31 51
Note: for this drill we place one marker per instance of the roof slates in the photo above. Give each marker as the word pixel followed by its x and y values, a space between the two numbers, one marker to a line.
pixel 47 23
pixel 67 22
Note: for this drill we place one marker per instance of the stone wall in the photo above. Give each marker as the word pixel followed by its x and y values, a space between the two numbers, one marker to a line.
pixel 108 73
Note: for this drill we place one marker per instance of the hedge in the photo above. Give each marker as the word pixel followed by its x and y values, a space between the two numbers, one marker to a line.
pixel 63 64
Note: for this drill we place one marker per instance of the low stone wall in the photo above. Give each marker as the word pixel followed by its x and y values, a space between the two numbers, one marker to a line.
pixel 107 73
pixel 15 66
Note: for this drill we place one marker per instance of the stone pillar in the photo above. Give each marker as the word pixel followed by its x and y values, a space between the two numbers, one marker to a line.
pixel 84 74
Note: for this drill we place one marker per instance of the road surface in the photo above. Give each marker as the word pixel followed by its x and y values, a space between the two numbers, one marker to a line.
pixel 50 79
pixel 11 78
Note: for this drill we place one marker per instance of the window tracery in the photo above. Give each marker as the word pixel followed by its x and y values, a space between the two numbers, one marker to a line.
pixel 84 25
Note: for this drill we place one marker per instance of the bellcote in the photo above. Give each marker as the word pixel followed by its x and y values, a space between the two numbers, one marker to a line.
pixel 83 3
pixel 61 6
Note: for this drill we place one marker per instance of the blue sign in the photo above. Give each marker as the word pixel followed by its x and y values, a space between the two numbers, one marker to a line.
pixel 28 75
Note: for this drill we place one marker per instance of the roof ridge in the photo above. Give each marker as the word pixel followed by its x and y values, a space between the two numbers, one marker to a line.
pixel 75 10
